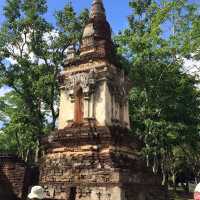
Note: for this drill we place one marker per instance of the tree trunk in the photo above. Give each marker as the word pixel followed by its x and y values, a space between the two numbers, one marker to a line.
pixel 37 149
pixel 174 181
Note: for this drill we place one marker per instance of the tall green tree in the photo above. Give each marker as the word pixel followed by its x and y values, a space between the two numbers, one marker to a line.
pixel 31 57
pixel 164 101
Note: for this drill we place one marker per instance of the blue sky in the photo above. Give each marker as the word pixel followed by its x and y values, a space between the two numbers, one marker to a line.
pixel 117 10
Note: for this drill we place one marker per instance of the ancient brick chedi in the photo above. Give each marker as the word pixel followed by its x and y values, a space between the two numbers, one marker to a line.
pixel 92 156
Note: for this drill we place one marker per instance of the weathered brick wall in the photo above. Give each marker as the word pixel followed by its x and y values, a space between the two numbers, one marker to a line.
pixel 96 164
pixel 12 177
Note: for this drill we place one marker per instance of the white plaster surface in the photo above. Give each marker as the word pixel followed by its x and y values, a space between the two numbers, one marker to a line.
pixel 66 110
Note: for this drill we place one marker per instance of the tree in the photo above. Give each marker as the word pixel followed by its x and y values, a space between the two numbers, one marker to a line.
pixel 31 57
pixel 164 101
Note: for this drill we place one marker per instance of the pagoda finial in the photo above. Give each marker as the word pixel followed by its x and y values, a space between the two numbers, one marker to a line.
pixel 97 10
pixel 97 33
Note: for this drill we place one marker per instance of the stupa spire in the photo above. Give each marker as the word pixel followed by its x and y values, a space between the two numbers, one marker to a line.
pixel 97 10
pixel 97 33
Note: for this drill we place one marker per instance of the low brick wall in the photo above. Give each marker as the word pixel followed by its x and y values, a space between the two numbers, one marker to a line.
pixel 13 177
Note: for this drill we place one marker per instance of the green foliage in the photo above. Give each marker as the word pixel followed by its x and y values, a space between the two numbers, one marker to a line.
pixel 17 135
pixel 31 57
pixel 68 22
pixel 164 101
pixel 195 38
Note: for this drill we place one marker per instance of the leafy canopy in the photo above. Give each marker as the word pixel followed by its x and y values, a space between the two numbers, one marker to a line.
pixel 31 57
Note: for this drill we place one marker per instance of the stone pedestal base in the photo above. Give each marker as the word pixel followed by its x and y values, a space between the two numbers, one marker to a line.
pixel 102 163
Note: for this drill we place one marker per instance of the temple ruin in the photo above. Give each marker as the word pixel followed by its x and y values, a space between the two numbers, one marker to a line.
pixel 93 156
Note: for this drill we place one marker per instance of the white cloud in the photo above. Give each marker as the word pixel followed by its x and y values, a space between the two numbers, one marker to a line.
pixel 22 47
pixel 49 37
pixel 4 90
pixel 191 66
